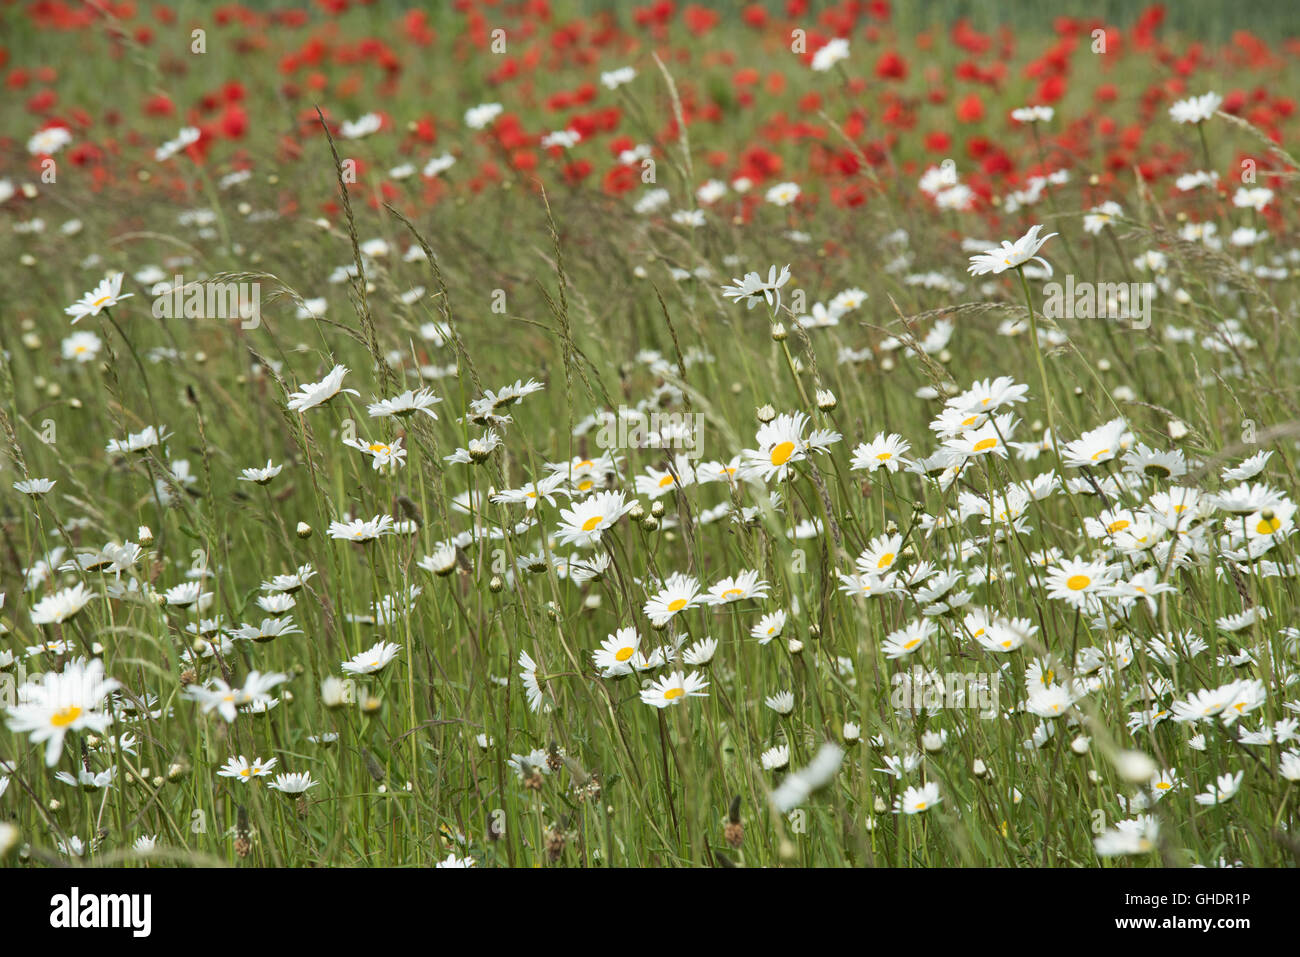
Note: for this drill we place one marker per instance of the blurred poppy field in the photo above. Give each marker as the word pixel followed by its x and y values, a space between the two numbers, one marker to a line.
pixel 577 434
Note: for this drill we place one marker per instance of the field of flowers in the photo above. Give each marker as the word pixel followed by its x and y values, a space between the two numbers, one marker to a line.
pixel 544 433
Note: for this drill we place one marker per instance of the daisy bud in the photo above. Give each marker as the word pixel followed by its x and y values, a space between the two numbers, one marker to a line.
pixel 932 741
pixel 826 400
pixel 636 512
pixel 815 631
pixel 765 413
pixel 74 403
pixel 496 584
pixel 176 772
pixel 27 259
pixel 979 768
pixel 778 332
pixel 31 341
pixel 650 523
pixel 1103 365
pixel 1080 744
pixel 879 804
pixel 1094 180
pixel 1093 776
pixel 54 805
pixel 887 364
pixel 333 692
pixel 1177 430
pixel 657 508
pixel 795 646
pixel 145 534
pixel 304 530
pixel 852 733
pixel 157 780
pixel 1134 766
pixel 8 838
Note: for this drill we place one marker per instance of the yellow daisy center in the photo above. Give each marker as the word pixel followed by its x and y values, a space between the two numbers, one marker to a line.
pixel 591 523
pixel 984 445
pixel 672 693
pixel 1099 454
pixel 781 453
pixel 624 653
pixel 1078 582
pixel 1268 526
pixel 677 604
pixel 65 716
pixel 886 560
pixel 1118 525
pixel 666 481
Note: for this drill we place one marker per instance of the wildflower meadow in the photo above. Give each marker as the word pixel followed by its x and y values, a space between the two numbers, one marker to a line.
pixel 558 434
